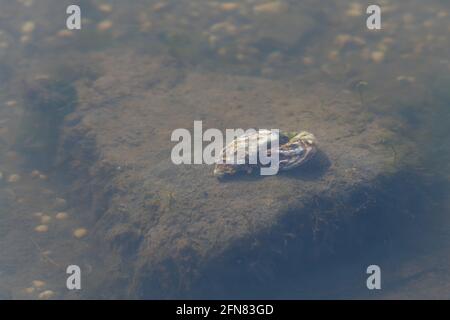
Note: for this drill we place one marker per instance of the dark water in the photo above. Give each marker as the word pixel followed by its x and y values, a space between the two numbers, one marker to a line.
pixel 400 73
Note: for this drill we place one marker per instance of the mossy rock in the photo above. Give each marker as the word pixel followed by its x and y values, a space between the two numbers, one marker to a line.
pixel 187 226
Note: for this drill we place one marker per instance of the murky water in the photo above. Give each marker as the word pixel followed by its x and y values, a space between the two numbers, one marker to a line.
pixel 50 78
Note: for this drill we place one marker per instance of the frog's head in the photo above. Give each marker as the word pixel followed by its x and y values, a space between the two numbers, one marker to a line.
pixel 305 137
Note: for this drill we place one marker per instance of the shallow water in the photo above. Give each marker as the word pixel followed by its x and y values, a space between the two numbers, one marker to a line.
pixel 399 75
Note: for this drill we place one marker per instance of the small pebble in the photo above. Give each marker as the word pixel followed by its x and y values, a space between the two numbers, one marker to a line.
pixel 226 27
pixel 41 76
pixel 41 228
pixel 60 202
pixel 25 38
pixel 29 290
pixel 104 25
pixel 28 27
pixel 105 7
pixel 388 40
pixel 408 18
pixel 26 3
pixel 11 103
pixel 38 283
pixel 35 174
pixel 159 6
pixel 47 294
pixel 406 79
pixel 377 56
pixel 228 6
pixel 222 51
pixel 38 214
pixel 61 215
pixel 355 10
pixel 308 61
pixel 240 57
pixel 1 175
pixel 43 177
pixel 428 24
pixel 45 219
pixel 64 33
pixel 342 39
pixel 269 7
pixel 275 57
pixel 145 24
pixel 47 192
pixel 80 233
pixel 14 178
pixel 212 40
pixel 333 55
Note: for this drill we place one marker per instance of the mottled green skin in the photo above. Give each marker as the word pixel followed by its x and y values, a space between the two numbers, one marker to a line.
pixel 294 149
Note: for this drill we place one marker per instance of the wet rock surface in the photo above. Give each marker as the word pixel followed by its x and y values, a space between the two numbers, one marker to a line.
pixel 177 224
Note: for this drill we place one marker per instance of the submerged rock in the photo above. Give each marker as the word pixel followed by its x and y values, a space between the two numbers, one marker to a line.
pixel 177 229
